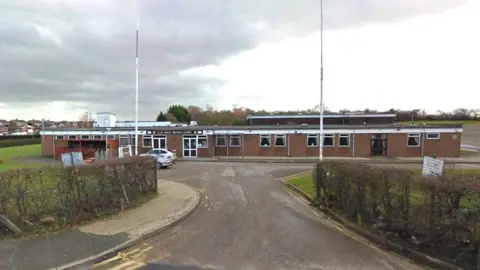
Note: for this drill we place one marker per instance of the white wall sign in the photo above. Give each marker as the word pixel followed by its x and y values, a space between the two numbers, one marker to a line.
pixel 432 167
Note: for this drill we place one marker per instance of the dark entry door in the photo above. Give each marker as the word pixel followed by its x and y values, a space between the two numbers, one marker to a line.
pixel 378 145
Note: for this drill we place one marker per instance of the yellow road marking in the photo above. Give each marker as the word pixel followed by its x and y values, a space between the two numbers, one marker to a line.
pixel 130 257
pixel 128 265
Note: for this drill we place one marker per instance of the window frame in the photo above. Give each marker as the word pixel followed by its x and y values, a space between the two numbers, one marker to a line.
pixel 60 137
pixel 72 137
pixel 120 137
pixel 205 137
pixel 328 135
pixel 344 135
pixel 414 135
pixel 147 138
pixel 269 137
pixel 284 136
pixel 437 137
pixel 317 141
pixel 111 137
pixel 239 137
pixel 88 137
pixel 95 137
pixel 224 137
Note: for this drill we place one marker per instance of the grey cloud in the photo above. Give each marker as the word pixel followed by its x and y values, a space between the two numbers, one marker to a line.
pixel 85 52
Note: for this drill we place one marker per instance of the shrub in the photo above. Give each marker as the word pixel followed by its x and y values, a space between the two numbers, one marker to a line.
pixel 436 216
pixel 75 194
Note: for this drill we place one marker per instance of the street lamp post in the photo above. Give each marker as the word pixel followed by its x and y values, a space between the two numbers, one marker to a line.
pixel 136 80
pixel 320 152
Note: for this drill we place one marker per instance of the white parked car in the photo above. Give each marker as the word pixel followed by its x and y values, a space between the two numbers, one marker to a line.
pixel 164 162
pixel 161 152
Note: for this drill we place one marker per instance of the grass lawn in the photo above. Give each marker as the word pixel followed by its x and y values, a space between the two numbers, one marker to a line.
pixel 9 156
pixel 464 153
pixel 444 122
pixel 304 183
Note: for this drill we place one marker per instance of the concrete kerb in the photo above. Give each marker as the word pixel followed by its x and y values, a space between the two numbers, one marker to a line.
pixel 112 252
pixel 417 256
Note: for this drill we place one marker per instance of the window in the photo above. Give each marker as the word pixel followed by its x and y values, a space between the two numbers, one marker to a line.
pixel 202 142
pixel 344 140
pixel 221 141
pixel 85 137
pixel 132 140
pixel 235 141
pixel 280 140
pixel 413 140
pixel 265 140
pixel 60 137
pixel 72 137
pixel 123 140
pixel 312 140
pixel 433 136
pixel 328 140
pixel 147 141
pixel 111 137
pixel 97 137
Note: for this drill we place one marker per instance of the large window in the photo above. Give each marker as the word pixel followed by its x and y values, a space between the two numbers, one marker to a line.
pixel 98 137
pixel 85 137
pixel 312 140
pixel 265 140
pixel 328 140
pixel 413 140
pixel 280 140
pixel 433 136
pixel 221 141
pixel 202 142
pixel 147 141
pixel 111 137
pixel 235 141
pixel 72 137
pixel 123 140
pixel 344 140
pixel 60 137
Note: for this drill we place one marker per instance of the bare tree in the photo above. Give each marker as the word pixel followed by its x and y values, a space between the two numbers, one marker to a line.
pixel 85 120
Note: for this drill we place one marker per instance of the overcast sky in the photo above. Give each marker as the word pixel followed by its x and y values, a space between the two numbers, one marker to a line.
pixel 59 58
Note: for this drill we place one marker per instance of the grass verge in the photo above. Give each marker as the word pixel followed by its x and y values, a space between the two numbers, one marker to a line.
pixel 9 156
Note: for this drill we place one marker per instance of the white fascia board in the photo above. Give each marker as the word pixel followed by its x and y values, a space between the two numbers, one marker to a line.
pixel 90 132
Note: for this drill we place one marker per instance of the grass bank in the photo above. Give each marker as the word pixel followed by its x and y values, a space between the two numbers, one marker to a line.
pixel 9 156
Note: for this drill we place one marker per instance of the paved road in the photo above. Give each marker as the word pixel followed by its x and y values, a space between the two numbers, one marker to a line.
pixel 248 221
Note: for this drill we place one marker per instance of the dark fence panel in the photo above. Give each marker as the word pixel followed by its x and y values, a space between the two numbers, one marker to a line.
pixel 19 137
pixel 439 217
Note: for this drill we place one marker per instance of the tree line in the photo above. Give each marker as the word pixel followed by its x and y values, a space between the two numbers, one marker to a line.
pixel 237 115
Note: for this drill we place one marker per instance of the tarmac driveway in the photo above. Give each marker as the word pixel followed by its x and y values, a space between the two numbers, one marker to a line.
pixel 247 220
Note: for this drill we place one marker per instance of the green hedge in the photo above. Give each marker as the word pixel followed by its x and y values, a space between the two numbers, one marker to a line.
pixel 75 194
pixel 437 216
pixel 19 142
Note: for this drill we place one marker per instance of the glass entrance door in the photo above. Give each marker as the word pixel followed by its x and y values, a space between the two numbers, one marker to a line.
pixel 159 143
pixel 190 147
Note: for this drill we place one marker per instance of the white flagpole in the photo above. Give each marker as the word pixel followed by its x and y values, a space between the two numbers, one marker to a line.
pixel 320 154
pixel 136 80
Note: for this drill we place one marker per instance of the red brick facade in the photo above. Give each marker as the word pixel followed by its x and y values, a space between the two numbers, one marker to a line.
pixel 359 145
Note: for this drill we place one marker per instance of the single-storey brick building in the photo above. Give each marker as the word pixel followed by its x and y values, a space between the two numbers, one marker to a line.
pixel 390 140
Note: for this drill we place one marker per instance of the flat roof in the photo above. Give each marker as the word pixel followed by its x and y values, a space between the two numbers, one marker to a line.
pixel 317 115
pixel 264 127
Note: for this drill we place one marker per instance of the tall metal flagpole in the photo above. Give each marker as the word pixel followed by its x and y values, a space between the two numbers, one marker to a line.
pixel 320 152
pixel 136 80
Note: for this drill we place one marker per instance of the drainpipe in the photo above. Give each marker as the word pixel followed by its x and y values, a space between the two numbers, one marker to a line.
pixel 288 145
pixel 243 143
pixel 423 140
pixel 353 143
pixel 227 141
